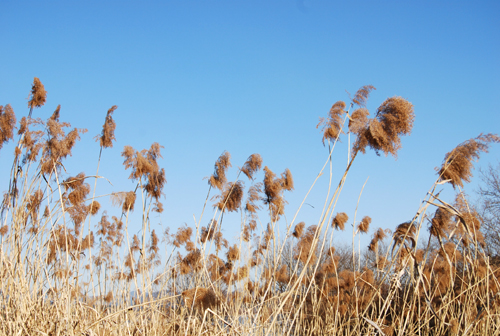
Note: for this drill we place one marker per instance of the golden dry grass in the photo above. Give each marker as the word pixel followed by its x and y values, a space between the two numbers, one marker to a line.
pixel 69 268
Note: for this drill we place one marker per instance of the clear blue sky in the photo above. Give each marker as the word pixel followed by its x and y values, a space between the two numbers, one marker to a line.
pixel 201 77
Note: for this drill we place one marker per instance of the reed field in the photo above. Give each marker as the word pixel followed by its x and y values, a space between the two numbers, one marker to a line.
pixel 69 266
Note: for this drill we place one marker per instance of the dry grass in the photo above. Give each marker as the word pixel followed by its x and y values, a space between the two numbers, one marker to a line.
pixel 69 268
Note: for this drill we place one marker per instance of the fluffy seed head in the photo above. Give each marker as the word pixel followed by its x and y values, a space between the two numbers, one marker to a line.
pixel 458 163
pixel 362 94
pixel 394 118
pixel 218 179
pixel 339 221
pixel 7 124
pixel 332 126
pixel 365 224
pixel 252 165
pixel 108 129
pixel 38 94
pixel 231 197
pixel 299 230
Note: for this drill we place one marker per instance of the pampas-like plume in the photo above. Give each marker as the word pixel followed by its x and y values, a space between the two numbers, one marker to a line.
pixel 218 179
pixel 58 146
pixel 362 94
pixel 440 223
pixel 253 197
pixel 200 298
pixel 253 165
pixel 233 253
pixel 378 236
pixel 7 124
pixel 38 94
pixel 273 190
pixel 405 232
pixel 458 163
pixel 339 221
pixel 299 230
pixel 129 202
pixel 231 197
pixel 332 126
pixel 394 118
pixel 108 129
pixel 364 225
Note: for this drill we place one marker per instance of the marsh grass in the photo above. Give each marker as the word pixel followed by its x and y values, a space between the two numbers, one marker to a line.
pixel 69 268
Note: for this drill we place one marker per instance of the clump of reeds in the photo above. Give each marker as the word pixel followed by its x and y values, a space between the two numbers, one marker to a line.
pixel 71 266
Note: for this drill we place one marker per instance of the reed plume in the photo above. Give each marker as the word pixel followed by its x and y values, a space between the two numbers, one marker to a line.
pixel 200 298
pixel 232 195
pixel 339 221
pixel 218 179
pixel 458 163
pixel 38 94
pixel 394 118
pixel 108 129
pixel 7 124
pixel 364 225
pixel 252 165
pixel 362 94
pixel 332 126
pixel 273 190
pixel 299 230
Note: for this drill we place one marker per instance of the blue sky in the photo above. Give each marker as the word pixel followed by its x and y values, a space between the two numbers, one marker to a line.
pixel 201 77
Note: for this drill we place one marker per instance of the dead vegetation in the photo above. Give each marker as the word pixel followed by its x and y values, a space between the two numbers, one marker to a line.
pixel 69 268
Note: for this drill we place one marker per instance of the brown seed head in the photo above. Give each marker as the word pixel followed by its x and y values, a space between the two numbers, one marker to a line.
pixel 233 253
pixel 332 126
pixel 440 223
pixel 38 94
pixel 364 225
pixel 7 124
pixel 394 118
pixel 218 179
pixel 200 298
pixel 253 165
pixel 339 221
pixel 182 236
pixel 129 202
pixel 108 129
pixel 208 233
pixel 299 230
pixel 362 94
pixel 405 231
pixel 287 180
pixel 358 121
pixel 253 197
pixel 232 194
pixel 458 163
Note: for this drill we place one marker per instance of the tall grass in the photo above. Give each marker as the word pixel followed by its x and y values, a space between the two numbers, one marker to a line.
pixel 68 268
